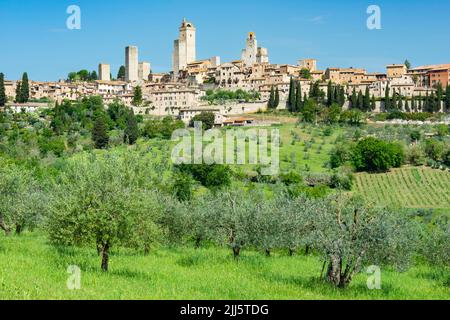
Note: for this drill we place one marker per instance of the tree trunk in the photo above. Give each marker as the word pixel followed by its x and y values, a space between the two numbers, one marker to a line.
pixel 105 257
pixel 291 252
pixel 198 242
pixel 267 252
pixel 307 248
pixel 4 227
pixel 18 229
pixel 334 271
pixel 236 252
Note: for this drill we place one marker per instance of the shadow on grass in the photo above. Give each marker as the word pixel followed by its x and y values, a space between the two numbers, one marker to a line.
pixel 320 286
pixel 131 274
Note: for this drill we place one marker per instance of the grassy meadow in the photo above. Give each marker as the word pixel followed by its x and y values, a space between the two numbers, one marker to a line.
pixel 30 268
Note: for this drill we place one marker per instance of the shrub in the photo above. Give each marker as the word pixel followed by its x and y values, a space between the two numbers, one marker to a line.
pixel 415 156
pixel 342 178
pixel 210 176
pixel 206 118
pixel 376 155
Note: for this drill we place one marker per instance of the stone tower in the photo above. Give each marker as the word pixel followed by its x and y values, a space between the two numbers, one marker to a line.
pixel 184 51
pixel 131 64
pixel 104 72
pixel 251 50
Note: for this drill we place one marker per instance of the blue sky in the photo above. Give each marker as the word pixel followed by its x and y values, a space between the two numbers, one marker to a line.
pixel 34 37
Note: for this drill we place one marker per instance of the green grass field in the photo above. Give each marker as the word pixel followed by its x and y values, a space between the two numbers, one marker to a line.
pixel 32 269
pixel 407 188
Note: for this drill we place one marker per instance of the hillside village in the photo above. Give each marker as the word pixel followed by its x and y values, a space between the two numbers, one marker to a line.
pixel 181 92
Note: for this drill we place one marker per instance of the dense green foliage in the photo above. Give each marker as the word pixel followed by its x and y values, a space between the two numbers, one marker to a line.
pixel 207 119
pixel 375 155
pixel 220 96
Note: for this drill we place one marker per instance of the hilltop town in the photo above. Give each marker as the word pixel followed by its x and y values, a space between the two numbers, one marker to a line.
pixel 181 92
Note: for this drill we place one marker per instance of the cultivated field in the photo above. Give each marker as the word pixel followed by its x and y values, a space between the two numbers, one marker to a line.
pixel 407 187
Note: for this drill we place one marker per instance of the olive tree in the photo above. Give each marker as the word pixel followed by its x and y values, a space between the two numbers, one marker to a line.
pixel 296 219
pixel 99 201
pixel 200 217
pixel 350 234
pixel 234 213
pixel 21 199
pixel 266 232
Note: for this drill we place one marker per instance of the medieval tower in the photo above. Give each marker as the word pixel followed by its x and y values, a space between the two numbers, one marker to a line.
pixel 252 53
pixel 184 51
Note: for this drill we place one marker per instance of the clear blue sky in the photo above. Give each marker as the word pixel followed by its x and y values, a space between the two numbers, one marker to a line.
pixel 34 37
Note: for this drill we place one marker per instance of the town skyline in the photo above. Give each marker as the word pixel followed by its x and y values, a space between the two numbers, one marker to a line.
pixel 56 58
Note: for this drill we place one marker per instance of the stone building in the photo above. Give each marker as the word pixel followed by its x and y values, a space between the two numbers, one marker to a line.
pixel 396 70
pixel 252 53
pixel 144 71
pixel 310 64
pixel 184 51
pixel 131 64
pixel 104 72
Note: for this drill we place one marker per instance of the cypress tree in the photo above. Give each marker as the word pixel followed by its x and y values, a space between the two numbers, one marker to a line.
pixel 329 94
pixel 341 96
pixel 100 134
pixel 413 104
pixel 366 105
pixel 336 94
pixel 137 98
pixel 271 99
pixel 420 103
pixel 440 97
pixel 291 98
pixel 407 109
pixel 373 105
pixel 25 88
pixel 298 98
pixel 387 99
pixel 425 105
pixel 131 133
pixel 400 103
pixel 432 103
pixel 447 98
pixel 354 99
pixel 121 73
pixel 3 98
pixel 18 92
pixel 394 104
pixel 277 98
pixel 360 101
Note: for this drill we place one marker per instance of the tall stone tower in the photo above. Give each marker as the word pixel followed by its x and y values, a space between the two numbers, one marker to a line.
pixel 251 50
pixel 184 51
pixel 131 64
pixel 252 53
pixel 144 70
pixel 104 72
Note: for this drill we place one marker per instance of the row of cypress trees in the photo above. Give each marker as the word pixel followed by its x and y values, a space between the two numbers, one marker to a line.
pixel 22 90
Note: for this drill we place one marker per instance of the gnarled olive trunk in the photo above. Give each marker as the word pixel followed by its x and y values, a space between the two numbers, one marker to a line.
pixel 291 252
pixel 236 252
pixel 4 227
pixel 105 257
pixel 19 229
pixel 338 275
